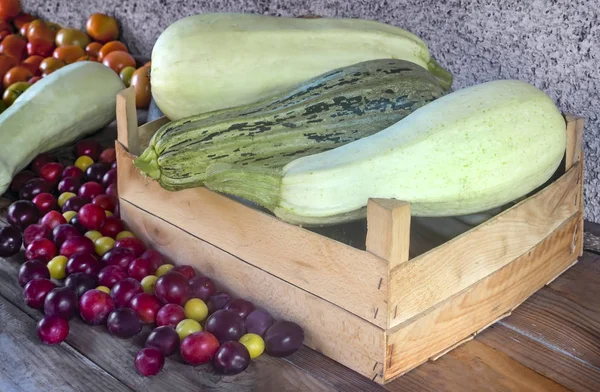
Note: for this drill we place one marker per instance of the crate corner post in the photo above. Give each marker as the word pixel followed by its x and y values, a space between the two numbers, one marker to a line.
pixel 573 155
pixel 388 237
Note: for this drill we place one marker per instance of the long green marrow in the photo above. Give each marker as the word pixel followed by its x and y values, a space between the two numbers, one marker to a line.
pixel 325 112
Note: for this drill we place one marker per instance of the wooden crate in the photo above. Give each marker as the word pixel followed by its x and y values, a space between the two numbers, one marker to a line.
pixel 378 311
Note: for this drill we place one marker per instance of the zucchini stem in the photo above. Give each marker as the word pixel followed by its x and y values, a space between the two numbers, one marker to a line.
pixel 259 185
pixel 148 163
pixel 443 76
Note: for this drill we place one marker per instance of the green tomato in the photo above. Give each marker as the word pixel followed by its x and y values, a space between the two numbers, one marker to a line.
pixel 14 91
pixel 254 343
pixel 126 74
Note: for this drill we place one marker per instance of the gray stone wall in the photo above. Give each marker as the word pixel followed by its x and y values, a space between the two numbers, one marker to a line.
pixel 553 44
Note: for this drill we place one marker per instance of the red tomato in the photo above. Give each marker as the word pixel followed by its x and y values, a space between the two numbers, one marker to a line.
pixel 112 46
pixel 9 9
pixel 93 49
pixel 16 74
pixel 141 83
pixel 87 58
pixel 40 47
pixel 22 19
pixel 6 63
pixel 35 59
pixel 102 27
pixel 50 64
pixel 34 69
pixel 39 29
pixel 23 29
pixel 68 53
pixel 118 60
pixel 13 45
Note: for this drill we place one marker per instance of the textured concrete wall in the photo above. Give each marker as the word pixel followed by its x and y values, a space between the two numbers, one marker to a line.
pixel 554 44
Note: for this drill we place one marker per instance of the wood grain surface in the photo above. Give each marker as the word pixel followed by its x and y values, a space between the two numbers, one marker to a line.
pixel 431 278
pixel 481 304
pixel 513 355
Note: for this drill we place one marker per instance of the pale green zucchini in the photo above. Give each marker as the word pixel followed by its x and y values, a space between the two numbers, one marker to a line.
pixel 469 151
pixel 66 105
pixel 213 61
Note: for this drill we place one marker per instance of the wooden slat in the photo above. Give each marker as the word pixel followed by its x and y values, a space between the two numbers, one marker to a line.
pixel 560 323
pixel 33 366
pixel 581 284
pixel 146 132
pixel 116 356
pixel 327 268
pixel 127 123
pixel 340 378
pixel 574 140
pixel 454 319
pixel 388 225
pixel 473 367
pixel 431 278
pixel 328 328
pixel 573 154
pixel 288 379
pixel 538 355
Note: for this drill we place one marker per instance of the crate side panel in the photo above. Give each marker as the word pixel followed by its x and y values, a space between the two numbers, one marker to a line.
pixel 350 278
pixel 418 339
pixel 431 278
pixel 328 328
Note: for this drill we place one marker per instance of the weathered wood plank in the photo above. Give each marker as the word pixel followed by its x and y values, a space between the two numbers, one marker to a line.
pixel 339 377
pixel 281 376
pixel 457 318
pixel 32 366
pixel 473 367
pixel 431 278
pixel 538 355
pixel 581 284
pixel 560 323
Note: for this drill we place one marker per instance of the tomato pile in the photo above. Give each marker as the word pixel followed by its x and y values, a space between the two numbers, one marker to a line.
pixel 82 260
pixel 32 48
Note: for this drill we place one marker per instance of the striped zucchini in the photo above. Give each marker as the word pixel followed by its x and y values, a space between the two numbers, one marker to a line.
pixel 320 114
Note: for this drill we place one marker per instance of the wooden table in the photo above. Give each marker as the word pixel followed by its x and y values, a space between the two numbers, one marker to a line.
pixel 551 342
